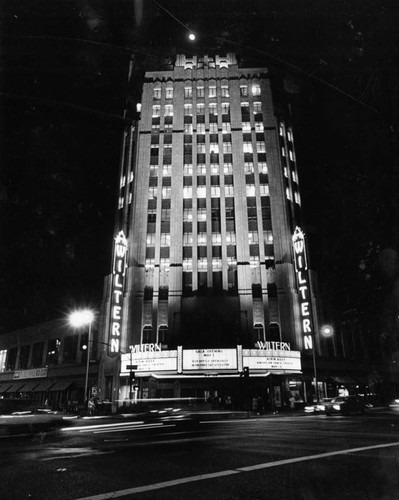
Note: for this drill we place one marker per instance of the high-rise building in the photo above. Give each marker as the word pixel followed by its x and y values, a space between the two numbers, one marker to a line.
pixel 210 279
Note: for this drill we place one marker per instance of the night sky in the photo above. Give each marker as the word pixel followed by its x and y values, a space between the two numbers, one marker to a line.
pixel 64 69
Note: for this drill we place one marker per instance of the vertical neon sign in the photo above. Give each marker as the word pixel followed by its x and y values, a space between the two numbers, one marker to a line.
pixel 301 268
pixel 118 271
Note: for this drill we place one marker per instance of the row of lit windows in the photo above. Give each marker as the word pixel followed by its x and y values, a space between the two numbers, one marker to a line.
pixel 202 263
pixel 212 107
pixel 213 128
pixel 245 91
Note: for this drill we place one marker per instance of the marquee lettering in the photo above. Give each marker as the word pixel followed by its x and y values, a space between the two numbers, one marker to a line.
pixel 301 268
pixel 119 267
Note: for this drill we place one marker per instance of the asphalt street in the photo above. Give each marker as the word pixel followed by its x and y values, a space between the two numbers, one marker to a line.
pixel 281 457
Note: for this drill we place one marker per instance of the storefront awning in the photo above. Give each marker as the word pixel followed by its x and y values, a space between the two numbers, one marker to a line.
pixel 29 386
pixel 43 386
pixel 61 386
pixel 15 387
pixel 4 387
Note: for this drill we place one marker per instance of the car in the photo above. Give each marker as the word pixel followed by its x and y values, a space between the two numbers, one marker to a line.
pixel 345 405
pixel 394 404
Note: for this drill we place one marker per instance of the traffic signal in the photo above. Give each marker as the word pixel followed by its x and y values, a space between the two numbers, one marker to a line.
pixel 245 372
pixel 84 342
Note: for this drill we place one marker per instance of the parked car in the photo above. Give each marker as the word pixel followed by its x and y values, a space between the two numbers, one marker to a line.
pixel 345 405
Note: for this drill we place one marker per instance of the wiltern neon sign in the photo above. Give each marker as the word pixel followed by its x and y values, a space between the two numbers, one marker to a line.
pixel 119 267
pixel 301 268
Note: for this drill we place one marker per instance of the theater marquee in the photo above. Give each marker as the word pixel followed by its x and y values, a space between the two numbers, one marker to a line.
pixel 149 358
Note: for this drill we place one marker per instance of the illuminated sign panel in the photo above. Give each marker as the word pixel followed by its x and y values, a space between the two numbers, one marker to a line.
pixel 118 271
pixel 148 360
pixel 301 268
pixel 210 359
pixel 269 359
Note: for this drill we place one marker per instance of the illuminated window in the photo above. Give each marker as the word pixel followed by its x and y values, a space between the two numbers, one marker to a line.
pixel 215 169
pixel 169 110
pixel 268 236
pixel 248 167
pixel 286 172
pixel 165 239
pixel 231 262
pixel 202 263
pixel 212 91
pixel 149 263
pixel 213 108
pixel 264 189
pixel 259 127
pixel 187 169
pixel 227 168
pixel 255 89
pixel 187 238
pixel 294 176
pixel 230 238
pixel 200 108
pixel 216 264
pixel 225 90
pixel 188 128
pixel 254 261
pixel 244 90
pixel 247 147
pixel 168 127
pixel 213 128
pixel 201 169
pixel 120 202
pixel 188 92
pixel 226 127
pixel 281 129
pixel 288 193
pixel 246 126
pixel 155 128
pixel 262 167
pixel 257 107
pixel 187 214
pixel 201 192
pixel 253 237
pixel 153 170
pixel 283 151
pixel 297 198
pixel 188 109
pixel 169 93
pixel 289 135
pixel 166 170
pixel 201 214
pixel 229 190
pixel 164 264
pixel 260 146
pixel 250 190
pixel 187 192
pixel 225 108
pixel 157 93
pixel 200 92
pixel 201 239
pixel 201 148
pixel 200 128
pixel 227 147
pixel 291 155
pixel 156 110
pixel 245 107
pixel 214 147
pixel 216 239
pixel 166 192
pixel 215 191
pixel 150 239
pixel 187 265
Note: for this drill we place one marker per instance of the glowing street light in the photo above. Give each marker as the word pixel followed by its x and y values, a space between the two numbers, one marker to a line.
pixel 192 37
pixel 327 331
pixel 79 319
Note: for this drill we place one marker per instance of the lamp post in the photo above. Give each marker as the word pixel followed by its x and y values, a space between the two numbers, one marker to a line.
pixel 78 319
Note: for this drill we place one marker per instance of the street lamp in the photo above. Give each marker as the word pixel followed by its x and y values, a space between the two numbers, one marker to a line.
pixel 78 319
